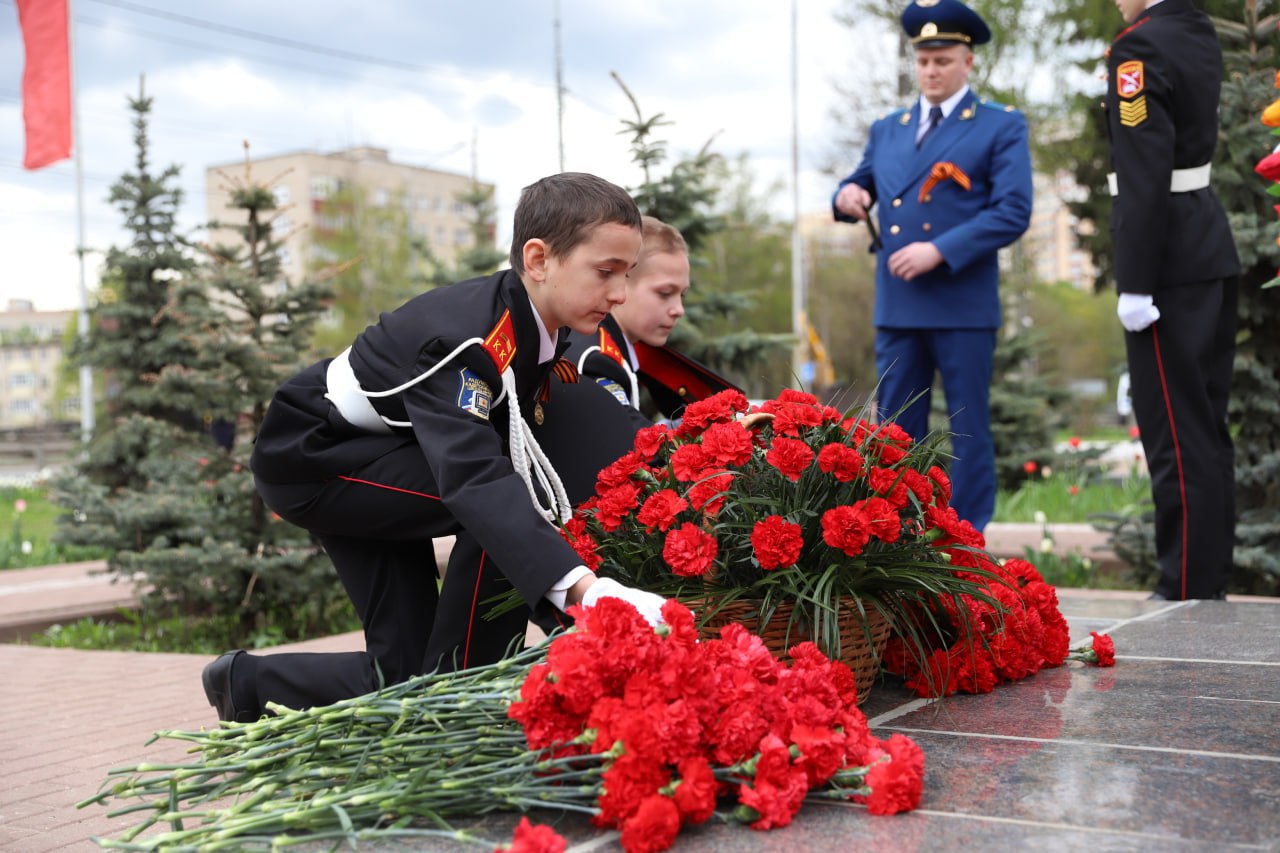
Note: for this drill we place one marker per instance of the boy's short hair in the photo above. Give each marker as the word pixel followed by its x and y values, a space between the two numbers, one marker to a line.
pixel 561 209
pixel 660 238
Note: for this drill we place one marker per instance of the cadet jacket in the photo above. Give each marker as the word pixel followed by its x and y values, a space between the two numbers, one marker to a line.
pixel 455 416
pixel 603 358
pixel 1164 74
pixel 673 380
pixel 967 190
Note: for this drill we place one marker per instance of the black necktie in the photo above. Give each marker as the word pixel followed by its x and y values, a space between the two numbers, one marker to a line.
pixel 935 119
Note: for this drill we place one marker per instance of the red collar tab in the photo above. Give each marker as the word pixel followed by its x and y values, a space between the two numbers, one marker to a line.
pixel 1131 28
pixel 610 347
pixel 501 342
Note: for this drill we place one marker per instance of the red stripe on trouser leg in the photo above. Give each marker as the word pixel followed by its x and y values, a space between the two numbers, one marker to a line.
pixel 471 620
pixel 1177 451
pixel 389 488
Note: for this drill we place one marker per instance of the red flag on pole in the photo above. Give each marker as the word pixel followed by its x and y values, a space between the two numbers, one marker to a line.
pixel 46 81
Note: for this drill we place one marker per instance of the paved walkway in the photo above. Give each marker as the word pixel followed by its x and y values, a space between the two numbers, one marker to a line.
pixel 1176 748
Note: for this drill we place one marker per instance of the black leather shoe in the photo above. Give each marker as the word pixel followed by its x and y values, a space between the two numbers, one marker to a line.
pixel 217 687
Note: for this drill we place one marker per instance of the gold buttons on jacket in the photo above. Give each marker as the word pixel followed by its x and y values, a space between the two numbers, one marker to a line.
pixel 894 229
pixel 897 202
pixel 927 227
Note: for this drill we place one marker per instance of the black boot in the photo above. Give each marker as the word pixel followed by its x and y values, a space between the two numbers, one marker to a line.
pixel 233 702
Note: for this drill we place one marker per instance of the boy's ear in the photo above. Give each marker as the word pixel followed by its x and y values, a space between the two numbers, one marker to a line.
pixel 536 254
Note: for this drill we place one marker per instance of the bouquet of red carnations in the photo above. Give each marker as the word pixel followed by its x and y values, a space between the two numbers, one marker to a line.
pixel 798 510
pixel 643 730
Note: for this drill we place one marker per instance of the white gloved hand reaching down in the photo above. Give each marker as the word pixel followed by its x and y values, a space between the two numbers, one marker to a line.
pixel 648 603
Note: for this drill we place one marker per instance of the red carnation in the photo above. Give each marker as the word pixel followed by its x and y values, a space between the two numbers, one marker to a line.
pixel 688 462
pixel 727 444
pixel 653 827
pixel 887 483
pixel 942 484
pixel 777 542
pixel 660 510
pixel 896 785
pixel 841 461
pixel 689 550
pixel 778 789
pixel 718 408
pixel 1105 648
pixel 790 456
pixel 615 503
pixel 695 793
pixel 1269 167
pixel 650 440
pixel 619 473
pixel 533 838
pixel 708 494
pixel 846 529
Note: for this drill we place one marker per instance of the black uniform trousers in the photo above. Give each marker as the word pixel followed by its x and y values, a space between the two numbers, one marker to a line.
pixel 377 525
pixel 1180 374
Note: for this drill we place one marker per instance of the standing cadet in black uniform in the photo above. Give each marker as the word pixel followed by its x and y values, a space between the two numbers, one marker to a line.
pixel 418 430
pixel 1176 270
pixel 626 353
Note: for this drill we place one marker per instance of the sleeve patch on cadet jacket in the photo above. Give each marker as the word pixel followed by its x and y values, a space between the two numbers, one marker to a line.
pixel 1133 113
pixel 474 394
pixel 613 388
pixel 1129 78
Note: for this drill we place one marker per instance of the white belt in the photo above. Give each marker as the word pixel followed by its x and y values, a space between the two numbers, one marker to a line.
pixel 1182 180
pixel 344 391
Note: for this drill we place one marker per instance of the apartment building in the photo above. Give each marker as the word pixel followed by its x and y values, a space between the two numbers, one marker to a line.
pixel 1052 241
pixel 30 360
pixel 305 181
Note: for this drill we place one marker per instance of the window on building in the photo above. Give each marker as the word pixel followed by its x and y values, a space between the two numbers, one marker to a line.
pixel 22 407
pixel 441 235
pixel 22 380
pixel 323 186
pixel 381 197
pixel 461 236
pixel 281 195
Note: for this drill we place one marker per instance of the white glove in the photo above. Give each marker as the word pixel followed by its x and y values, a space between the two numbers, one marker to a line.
pixel 648 603
pixel 1137 311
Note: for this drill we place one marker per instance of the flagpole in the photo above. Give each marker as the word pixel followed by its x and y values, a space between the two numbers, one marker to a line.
pixel 82 318
pixel 800 367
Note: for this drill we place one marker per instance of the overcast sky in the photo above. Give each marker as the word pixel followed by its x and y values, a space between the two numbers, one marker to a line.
pixel 419 78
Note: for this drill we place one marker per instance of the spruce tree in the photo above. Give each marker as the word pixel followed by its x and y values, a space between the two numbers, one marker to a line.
pixel 191 356
pixel 685 198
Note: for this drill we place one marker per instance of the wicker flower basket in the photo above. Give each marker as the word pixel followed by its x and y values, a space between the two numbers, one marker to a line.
pixel 861 641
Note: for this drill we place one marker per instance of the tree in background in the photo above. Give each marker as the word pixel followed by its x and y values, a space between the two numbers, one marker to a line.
pixel 382 265
pixel 482 256
pixel 686 197
pixel 164 482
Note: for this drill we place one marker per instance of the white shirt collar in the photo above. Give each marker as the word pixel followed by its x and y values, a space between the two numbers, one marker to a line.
pixel 546 346
pixel 631 352
pixel 947 106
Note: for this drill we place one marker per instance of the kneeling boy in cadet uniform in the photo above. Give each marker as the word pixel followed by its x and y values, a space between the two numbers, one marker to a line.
pixel 418 431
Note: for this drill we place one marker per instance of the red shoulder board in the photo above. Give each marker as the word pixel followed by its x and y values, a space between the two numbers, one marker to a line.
pixel 610 347
pixel 1131 28
pixel 501 342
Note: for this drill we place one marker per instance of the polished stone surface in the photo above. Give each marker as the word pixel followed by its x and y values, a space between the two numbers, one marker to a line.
pixel 1205 630
pixel 1175 748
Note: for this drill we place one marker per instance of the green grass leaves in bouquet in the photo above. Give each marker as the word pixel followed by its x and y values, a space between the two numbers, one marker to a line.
pixel 799 510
